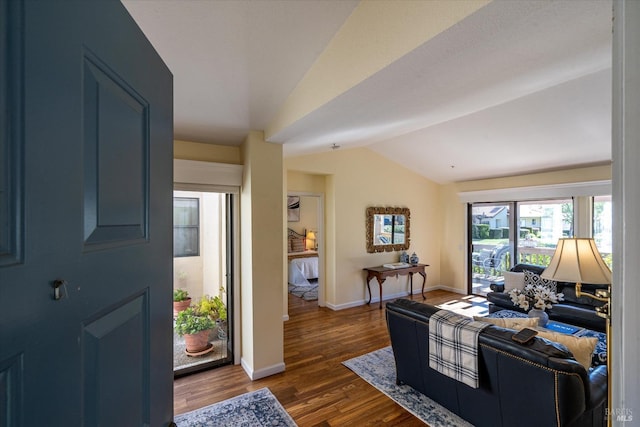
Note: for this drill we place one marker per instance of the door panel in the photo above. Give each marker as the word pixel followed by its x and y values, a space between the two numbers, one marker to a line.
pixel 106 366
pixel 93 122
pixel 10 136
pixel 11 399
pixel 116 150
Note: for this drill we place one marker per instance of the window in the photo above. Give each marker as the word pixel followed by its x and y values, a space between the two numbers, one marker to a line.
pixel 603 227
pixel 545 221
pixel 531 237
pixel 186 227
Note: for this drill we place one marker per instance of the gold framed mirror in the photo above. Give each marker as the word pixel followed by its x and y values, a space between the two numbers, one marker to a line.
pixel 387 229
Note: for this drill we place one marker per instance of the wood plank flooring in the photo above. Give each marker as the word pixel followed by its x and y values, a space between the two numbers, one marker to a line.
pixel 316 389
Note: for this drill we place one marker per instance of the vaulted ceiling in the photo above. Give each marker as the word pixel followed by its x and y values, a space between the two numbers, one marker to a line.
pixel 454 90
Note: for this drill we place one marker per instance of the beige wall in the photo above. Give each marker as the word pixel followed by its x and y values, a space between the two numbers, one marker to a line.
pixel 353 180
pixel 261 234
pixel 453 272
pixel 261 230
pixel 187 150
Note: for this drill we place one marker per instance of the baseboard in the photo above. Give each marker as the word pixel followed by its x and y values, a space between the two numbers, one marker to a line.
pixel 337 307
pixel 376 300
pixel 264 372
pixel 447 288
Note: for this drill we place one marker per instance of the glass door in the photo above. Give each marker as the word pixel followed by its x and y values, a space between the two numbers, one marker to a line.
pixel 504 234
pixel 491 241
pixel 203 277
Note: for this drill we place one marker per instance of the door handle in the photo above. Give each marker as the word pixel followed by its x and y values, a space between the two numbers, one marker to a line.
pixel 58 293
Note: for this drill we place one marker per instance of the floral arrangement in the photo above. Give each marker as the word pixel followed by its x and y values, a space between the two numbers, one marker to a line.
pixel 537 296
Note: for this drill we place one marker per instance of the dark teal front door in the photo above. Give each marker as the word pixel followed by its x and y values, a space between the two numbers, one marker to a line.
pixel 86 133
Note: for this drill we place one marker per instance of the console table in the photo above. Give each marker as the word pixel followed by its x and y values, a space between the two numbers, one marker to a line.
pixel 381 273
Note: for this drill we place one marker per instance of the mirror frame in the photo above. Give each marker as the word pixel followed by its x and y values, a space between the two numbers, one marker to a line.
pixel 379 210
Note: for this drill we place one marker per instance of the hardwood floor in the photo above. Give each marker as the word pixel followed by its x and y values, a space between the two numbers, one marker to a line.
pixel 316 389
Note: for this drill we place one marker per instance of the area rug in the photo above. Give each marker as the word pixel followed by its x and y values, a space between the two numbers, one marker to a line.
pixel 306 292
pixel 258 408
pixel 379 369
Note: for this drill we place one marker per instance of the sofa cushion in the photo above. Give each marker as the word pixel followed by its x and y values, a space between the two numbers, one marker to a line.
pixel 531 278
pixel 581 347
pixel 510 323
pixel 513 280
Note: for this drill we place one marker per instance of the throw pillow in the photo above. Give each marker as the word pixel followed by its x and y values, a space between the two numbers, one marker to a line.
pixel 581 347
pixel 511 322
pixel 297 245
pixel 513 280
pixel 534 279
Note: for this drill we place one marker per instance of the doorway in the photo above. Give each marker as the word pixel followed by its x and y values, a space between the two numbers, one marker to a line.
pixel 305 242
pixel 203 270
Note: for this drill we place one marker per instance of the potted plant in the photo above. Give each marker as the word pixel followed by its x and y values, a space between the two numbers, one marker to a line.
pixel 221 321
pixel 195 328
pixel 181 300
pixel 215 308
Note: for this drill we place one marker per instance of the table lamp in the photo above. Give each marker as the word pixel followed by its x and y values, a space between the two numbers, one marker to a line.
pixel 578 260
pixel 311 237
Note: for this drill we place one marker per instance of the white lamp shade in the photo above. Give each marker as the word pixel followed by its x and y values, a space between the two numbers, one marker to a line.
pixel 311 239
pixel 578 260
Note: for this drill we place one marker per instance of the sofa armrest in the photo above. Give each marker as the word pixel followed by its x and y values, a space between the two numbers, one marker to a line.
pixel 497 287
pixel 502 300
pixel 597 389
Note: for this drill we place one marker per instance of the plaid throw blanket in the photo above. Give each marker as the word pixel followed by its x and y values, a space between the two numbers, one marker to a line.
pixel 453 346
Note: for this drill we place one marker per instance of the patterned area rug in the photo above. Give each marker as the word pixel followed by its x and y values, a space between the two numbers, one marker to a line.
pixel 379 369
pixel 307 293
pixel 258 408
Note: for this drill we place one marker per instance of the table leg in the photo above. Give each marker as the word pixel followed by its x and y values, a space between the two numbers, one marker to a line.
pixel 369 277
pixel 424 280
pixel 380 282
pixel 411 285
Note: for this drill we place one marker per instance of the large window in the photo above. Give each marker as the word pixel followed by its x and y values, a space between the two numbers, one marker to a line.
pixel 186 227
pixel 504 234
pixel 497 238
